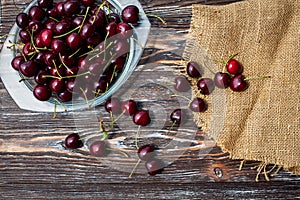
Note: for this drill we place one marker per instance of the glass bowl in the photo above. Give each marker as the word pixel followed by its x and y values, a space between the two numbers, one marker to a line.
pixel 22 92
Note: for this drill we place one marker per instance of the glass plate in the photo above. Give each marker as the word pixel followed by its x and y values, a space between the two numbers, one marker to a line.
pixel 21 92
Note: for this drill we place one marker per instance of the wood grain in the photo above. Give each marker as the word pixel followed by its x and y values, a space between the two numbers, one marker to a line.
pixel 35 165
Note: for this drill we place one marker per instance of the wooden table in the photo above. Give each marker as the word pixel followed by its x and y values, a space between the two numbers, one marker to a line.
pixel 34 163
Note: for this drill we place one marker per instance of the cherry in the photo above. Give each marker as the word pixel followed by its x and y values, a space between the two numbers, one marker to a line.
pixel 177 116
pixel 112 105
pixel 87 30
pixel 16 62
pixel 65 96
pixel 42 92
pixel 94 40
pixel 35 26
pixel 121 47
pixel 77 21
pixel 119 63
pixel 238 83
pixel 59 8
pixel 124 30
pixel 50 59
pixel 206 85
pixel 198 105
pixel 24 36
pixel 234 67
pixel 36 13
pixel 61 28
pixel 45 3
pixel 154 166
pixel 29 68
pixel 101 86
pixel 72 71
pixel 98 148
pixel 141 118
pixel 28 49
pixel 193 69
pixel 88 2
pixel 22 20
pixel 57 85
pixel 71 7
pixel 130 14
pixel 182 84
pixel 40 77
pixel 222 80
pixel 129 107
pixel 58 46
pixel 73 141
pixel 46 37
pixel 74 41
pixel 70 85
pixel 146 152
pixel 111 29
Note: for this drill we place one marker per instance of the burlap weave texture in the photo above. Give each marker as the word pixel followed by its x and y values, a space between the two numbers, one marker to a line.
pixel 263 122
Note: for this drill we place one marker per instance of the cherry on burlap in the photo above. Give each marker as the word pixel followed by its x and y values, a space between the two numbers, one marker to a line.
pixel 261 123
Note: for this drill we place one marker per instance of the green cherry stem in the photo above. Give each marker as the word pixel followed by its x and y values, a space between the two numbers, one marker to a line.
pixel 171 128
pixel 137 135
pixel 60 57
pixel 134 168
pixel 65 34
pixel 84 18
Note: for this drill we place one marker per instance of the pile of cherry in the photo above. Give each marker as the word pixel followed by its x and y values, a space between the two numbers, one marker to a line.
pixel 140 117
pixel 62 41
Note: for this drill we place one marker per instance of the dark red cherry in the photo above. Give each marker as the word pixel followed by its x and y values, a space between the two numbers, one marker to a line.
pixel 101 85
pixel 46 37
pixel 57 71
pixel 64 96
pixel 198 105
pixel 42 92
pixel 87 30
pixel 234 67
pixel 177 116
pixel 74 41
pixel 206 86
pixel 57 85
pixel 58 46
pixel 45 3
pixel 129 107
pixel 22 20
pixel 94 40
pixel 130 14
pixel 73 141
pixel 154 166
pixel 77 21
pixel 238 83
pixel 25 36
pixel 141 118
pixel 88 2
pixel 71 7
pixel 36 13
pixel 50 24
pixel 16 62
pixel 62 28
pixel 98 148
pixel 50 59
pixel 111 29
pixel 29 68
pixel 121 47
pixel 146 152
pixel 35 26
pixel 70 84
pixel 193 69
pixel 182 84
pixel 124 30
pixel 72 71
pixel 28 49
pixel 112 105
pixel 59 8
pixel 222 80
pixel 41 78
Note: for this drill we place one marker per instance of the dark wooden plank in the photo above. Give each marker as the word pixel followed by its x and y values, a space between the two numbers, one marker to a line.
pixel 35 164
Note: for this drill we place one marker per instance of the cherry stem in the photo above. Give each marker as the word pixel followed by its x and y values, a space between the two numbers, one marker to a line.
pixel 134 168
pixel 5 35
pixel 160 18
pixel 85 97
pixel 59 54
pixel 75 53
pixel 171 128
pixel 66 77
pixel 256 77
pixel 115 120
pixel 61 104
pixel 84 18
pixel 175 95
pixel 136 137
pixel 54 112
pixel 232 56
pixel 65 34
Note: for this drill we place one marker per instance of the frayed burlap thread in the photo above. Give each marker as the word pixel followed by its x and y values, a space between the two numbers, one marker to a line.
pixel 263 122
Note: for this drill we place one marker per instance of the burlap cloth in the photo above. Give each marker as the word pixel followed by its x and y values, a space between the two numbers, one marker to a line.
pixel 261 123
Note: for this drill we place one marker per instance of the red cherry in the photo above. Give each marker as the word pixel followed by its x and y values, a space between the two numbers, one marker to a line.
pixel 238 83
pixel 234 67
pixel 141 118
